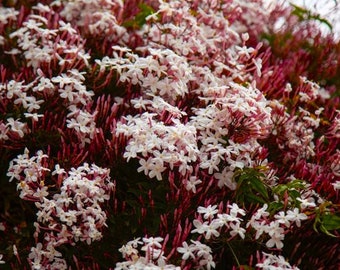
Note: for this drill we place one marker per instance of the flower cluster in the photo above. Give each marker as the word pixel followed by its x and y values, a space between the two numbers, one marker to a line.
pixel 273 262
pixel 216 223
pixel 65 217
pixel 153 259
pixel 219 129
pixel 210 227
pixel 277 228
pixel 30 174
pixel 199 253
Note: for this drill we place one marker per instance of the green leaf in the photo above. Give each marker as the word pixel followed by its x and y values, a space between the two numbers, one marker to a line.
pixel 140 19
pixel 330 221
pixel 250 187
pixel 260 187
pixel 280 189
pixel 316 221
pixel 299 11
pixel 326 219
pixel 273 207
pixel 297 184
pixel 253 198
pixel 294 194
pixel 305 15
pixel 324 230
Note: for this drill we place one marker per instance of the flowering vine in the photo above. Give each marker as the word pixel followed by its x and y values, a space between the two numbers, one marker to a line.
pixel 168 135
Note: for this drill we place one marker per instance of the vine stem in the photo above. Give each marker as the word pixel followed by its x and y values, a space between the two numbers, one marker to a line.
pixel 232 251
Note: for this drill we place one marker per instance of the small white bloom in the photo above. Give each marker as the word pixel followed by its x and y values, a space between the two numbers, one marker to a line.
pixel 336 185
pixel 236 229
pixel 58 170
pixel 208 212
pixel 1 260
pixel 200 227
pixel 225 178
pixel 282 218
pixel 275 241
pixel 296 216
pixel 35 117
pixel 153 242
pixel 211 229
pixel 308 202
pixel 186 250
pixel 235 210
pixel 191 184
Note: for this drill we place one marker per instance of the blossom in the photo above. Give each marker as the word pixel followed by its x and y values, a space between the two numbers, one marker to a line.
pixel 200 227
pixel 296 216
pixel 7 14
pixel 58 170
pixel 224 219
pixel 156 170
pixel 260 228
pixel 282 218
pixel 3 132
pixel 305 203
pixel 276 233
pixel 203 252
pixel 191 184
pixel 261 212
pixel 35 116
pixel 274 262
pixel 211 229
pixel 40 193
pixel 186 250
pixel 208 212
pixel 1 260
pixel 236 229
pixel 153 242
pixel 146 165
pixel 225 178
pixel 336 185
pixel 275 240
pixel 130 249
pixel 194 93
pixel 36 254
pixel 16 126
pixel 235 210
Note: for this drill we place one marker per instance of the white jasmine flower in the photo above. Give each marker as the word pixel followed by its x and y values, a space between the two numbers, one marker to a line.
pixel 235 210
pixel 237 229
pixel 296 216
pixel 191 184
pixel 225 178
pixel 336 185
pixel 186 250
pixel 208 211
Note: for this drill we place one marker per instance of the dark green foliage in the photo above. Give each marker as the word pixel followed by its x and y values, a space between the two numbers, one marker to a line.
pixel 250 187
pixel 140 18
